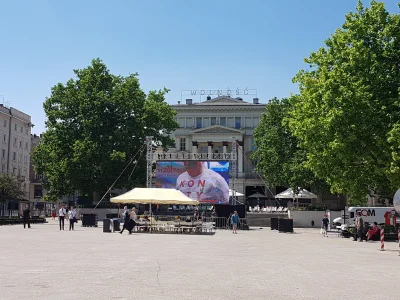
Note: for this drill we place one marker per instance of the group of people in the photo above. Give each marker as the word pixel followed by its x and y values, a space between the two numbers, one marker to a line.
pixel 70 214
pixel 363 230
pixel 63 213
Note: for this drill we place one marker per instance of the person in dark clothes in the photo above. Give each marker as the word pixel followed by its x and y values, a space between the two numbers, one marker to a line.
pixel 127 218
pixel 324 225
pixel 359 227
pixel 26 217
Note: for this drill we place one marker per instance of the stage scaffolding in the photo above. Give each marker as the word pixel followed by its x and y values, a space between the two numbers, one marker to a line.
pixel 231 157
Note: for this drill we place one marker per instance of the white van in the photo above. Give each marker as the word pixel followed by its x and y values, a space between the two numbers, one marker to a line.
pixel 381 215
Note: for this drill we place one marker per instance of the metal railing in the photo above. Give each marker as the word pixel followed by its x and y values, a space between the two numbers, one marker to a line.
pixel 195 156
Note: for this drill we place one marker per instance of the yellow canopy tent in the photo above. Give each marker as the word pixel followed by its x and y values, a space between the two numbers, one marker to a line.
pixel 154 196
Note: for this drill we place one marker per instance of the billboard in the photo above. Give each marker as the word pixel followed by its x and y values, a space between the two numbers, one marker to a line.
pixel 205 181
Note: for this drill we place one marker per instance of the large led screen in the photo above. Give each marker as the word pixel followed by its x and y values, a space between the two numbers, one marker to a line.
pixel 206 181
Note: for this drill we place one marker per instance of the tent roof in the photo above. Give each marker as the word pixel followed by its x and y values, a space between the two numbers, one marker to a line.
pixel 154 196
pixel 237 194
pixel 302 194
pixel 257 195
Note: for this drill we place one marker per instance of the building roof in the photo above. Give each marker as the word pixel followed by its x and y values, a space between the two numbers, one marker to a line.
pixel 221 101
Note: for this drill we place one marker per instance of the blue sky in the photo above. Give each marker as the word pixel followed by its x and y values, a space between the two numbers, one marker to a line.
pixel 180 44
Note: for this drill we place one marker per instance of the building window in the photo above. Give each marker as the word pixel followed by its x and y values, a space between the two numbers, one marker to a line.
pixel 14 156
pixel 26 159
pixel 26 145
pixel 218 149
pixel 189 123
pixel 222 121
pixel 206 122
pixel 213 121
pixel 20 144
pixel 198 122
pixel 181 122
pixel 256 121
pixel 22 129
pixel 15 126
pixel 38 193
pixel 3 153
pixel 253 145
pixel 238 122
pixel 203 149
pixel 3 168
pixel 230 123
pixel 14 171
pixel 15 141
pixel 248 122
pixel 182 144
pixel 4 138
pixel 26 131
pixel 19 171
pixel 5 123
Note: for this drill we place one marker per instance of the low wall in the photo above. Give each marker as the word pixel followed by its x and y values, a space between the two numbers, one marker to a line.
pixel 303 218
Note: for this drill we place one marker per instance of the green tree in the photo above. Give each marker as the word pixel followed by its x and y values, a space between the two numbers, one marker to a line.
pixel 280 160
pixel 349 102
pixel 10 189
pixel 96 124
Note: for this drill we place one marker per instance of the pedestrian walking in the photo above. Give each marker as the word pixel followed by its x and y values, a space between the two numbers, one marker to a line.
pixel 235 221
pixel 127 217
pixel 61 216
pixel 72 218
pixel 324 225
pixel 133 220
pixel 53 213
pixel 26 215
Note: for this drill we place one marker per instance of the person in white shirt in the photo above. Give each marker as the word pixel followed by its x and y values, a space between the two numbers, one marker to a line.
pixel 61 216
pixel 202 184
pixel 72 216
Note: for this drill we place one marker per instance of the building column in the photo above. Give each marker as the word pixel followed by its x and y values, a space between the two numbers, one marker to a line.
pixel 210 146
pixel 240 156
pixel 178 143
pixel 194 147
pixel 224 147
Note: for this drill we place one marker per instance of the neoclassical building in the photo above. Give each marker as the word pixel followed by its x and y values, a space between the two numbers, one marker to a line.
pixel 207 131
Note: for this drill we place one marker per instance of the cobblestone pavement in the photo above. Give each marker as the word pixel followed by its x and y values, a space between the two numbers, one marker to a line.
pixel 46 263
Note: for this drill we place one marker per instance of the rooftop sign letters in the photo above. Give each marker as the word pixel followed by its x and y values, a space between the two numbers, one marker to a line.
pixel 222 92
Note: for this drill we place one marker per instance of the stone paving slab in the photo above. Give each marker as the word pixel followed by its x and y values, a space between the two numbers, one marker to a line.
pixel 46 263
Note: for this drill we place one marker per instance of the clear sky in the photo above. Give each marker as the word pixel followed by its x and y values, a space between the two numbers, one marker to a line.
pixel 180 44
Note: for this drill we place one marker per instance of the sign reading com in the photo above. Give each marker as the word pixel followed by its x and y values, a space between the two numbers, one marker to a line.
pixel 205 181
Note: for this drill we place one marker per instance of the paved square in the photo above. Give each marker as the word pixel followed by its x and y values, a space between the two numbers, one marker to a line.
pixel 44 263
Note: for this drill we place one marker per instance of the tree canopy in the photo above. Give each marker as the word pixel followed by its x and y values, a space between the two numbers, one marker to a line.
pixel 96 123
pixel 280 160
pixel 346 115
pixel 10 189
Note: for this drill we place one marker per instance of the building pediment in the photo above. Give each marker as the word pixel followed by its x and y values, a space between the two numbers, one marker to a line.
pixel 217 129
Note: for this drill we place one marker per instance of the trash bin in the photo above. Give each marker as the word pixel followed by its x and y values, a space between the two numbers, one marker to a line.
pixel 116 224
pixel 274 223
pixel 106 225
pixel 282 225
pixel 285 225
pixel 89 220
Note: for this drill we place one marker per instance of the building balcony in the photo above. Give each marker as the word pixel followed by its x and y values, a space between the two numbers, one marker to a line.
pixel 194 156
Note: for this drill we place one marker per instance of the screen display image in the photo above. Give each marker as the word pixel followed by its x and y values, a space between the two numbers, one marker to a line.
pixel 205 181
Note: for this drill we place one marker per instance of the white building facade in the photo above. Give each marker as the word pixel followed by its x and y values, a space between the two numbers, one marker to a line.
pixel 208 129
pixel 15 136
